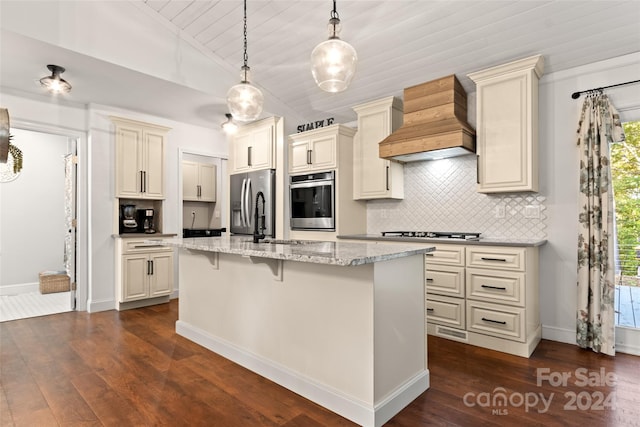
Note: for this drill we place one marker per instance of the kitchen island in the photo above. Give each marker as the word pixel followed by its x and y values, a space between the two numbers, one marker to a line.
pixel 340 323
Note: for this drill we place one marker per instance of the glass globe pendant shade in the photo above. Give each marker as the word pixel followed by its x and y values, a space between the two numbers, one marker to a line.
pixel 333 62
pixel 245 100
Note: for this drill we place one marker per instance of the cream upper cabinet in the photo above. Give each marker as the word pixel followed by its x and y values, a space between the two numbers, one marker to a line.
pixel 140 155
pixel 314 150
pixel 507 126
pixel 198 182
pixel 253 147
pixel 373 177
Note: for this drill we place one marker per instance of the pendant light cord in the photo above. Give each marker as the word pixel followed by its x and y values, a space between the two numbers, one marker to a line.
pixel 334 12
pixel 246 57
pixel 334 21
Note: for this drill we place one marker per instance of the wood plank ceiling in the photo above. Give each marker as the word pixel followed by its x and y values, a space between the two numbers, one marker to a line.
pixel 400 43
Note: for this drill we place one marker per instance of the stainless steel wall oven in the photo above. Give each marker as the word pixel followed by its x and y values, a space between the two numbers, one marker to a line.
pixel 313 201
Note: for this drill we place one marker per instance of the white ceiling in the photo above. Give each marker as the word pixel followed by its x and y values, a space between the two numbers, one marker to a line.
pixel 400 43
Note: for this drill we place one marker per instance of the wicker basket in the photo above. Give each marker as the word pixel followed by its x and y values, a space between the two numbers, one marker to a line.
pixel 54 282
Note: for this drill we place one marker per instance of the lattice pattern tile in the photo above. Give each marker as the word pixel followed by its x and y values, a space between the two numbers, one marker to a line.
pixel 441 195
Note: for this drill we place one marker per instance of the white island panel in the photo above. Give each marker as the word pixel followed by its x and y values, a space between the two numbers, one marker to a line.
pixel 350 338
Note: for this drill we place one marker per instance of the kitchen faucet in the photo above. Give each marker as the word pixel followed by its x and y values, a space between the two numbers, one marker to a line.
pixel 259 227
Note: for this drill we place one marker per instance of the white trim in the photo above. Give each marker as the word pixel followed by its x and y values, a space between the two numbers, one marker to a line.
pixel 628 340
pixel 21 288
pixel 346 406
pixel 554 333
pixel 103 305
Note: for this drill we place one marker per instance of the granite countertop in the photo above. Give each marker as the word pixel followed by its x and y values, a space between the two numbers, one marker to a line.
pixel 319 252
pixel 482 241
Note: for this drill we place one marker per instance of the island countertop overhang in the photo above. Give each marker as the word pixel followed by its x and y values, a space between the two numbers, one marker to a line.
pixel 312 251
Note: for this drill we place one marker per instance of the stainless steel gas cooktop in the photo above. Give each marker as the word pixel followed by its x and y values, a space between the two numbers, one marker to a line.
pixel 433 234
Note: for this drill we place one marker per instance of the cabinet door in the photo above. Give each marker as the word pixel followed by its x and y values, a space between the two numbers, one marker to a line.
pixel 373 179
pixel 161 277
pixel 135 269
pixel 207 182
pixel 189 181
pixel 153 164
pixel 128 161
pixel 240 148
pixel 323 153
pixel 299 156
pixel 261 148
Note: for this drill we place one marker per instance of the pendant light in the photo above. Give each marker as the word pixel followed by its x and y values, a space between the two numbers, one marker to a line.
pixel 333 62
pixel 54 83
pixel 229 127
pixel 245 100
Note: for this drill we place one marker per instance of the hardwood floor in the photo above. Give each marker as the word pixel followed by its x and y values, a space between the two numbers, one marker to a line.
pixel 131 369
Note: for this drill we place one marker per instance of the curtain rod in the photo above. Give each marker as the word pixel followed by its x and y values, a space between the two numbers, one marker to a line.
pixel 576 95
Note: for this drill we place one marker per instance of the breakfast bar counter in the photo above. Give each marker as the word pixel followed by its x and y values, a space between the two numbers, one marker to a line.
pixel 340 323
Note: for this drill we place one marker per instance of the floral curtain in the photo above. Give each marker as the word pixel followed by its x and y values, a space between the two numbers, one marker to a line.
pixel 598 127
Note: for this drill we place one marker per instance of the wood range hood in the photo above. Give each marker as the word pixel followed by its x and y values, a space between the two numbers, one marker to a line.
pixel 434 126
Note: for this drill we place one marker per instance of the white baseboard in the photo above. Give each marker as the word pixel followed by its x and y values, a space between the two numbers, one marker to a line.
pixel 627 339
pixel 553 333
pixel 22 288
pixel 354 410
pixel 104 305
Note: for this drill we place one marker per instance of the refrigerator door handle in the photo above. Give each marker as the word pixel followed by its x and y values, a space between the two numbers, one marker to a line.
pixel 247 203
pixel 244 187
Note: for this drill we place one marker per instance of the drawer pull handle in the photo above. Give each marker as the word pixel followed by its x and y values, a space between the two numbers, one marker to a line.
pixel 430 309
pixel 493 259
pixel 429 280
pixel 493 287
pixel 428 254
pixel 148 246
pixel 494 321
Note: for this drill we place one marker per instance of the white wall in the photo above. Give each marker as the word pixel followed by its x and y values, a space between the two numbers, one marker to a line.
pixel 559 115
pixel 32 217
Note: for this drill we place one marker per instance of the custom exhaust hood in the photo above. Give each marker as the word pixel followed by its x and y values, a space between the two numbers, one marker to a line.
pixel 434 126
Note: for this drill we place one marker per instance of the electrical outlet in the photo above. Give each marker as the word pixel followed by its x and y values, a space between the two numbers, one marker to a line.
pixel 532 211
pixel 500 211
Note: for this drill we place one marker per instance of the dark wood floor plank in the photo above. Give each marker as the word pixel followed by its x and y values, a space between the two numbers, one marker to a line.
pixel 131 369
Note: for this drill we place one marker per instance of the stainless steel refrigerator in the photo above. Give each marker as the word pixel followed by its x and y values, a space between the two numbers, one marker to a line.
pixel 244 188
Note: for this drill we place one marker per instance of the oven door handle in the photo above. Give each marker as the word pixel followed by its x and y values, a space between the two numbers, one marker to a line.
pixel 309 184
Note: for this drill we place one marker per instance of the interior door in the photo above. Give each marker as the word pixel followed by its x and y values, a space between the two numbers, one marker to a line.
pixel 70 205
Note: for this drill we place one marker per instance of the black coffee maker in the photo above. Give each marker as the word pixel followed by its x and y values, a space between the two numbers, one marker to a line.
pixel 146 218
pixel 128 222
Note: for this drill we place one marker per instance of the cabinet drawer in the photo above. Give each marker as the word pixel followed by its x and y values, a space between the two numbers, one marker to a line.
pixel 496 320
pixel 446 311
pixel 446 254
pixel 502 287
pixel 137 246
pixel 496 257
pixel 445 280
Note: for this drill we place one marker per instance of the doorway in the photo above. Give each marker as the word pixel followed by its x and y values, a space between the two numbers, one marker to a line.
pixel 38 228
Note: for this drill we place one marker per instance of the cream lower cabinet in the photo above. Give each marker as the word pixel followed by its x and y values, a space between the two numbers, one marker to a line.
pixel 507 126
pixel 145 272
pixel 485 296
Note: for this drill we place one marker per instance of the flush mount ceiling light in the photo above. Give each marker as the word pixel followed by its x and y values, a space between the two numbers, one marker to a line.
pixel 54 83
pixel 229 127
pixel 245 100
pixel 333 62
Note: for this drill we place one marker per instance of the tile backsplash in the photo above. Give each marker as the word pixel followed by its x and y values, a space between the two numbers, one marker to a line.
pixel 441 195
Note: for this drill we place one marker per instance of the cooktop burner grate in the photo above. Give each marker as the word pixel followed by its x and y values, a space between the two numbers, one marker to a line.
pixel 433 234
